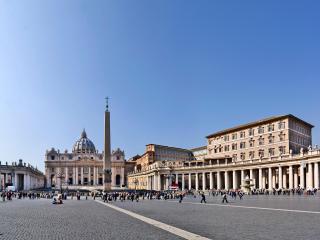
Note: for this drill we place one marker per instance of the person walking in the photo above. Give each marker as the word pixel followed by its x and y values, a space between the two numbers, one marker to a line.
pixel 180 198
pixel 224 198
pixel 203 198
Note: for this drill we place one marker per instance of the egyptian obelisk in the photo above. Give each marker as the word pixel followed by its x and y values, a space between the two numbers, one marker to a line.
pixel 107 150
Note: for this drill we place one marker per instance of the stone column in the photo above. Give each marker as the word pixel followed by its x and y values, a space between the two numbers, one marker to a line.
pixel 89 178
pixel 270 178
pixel 189 179
pixel 159 182
pixel 66 178
pixel 122 177
pixel 302 177
pixel 211 180
pixel 290 177
pixel 260 178
pixel 82 175
pixel 154 182
pixel 251 177
pixel 167 183
pixel 218 180
pixel 274 178
pixel 148 182
pixel 264 178
pixel 226 180
pixel 197 182
pixel 242 177
pixel 182 182
pixel 177 178
pixel 310 176
pixel 25 187
pixel 15 180
pixel 295 178
pixel 284 178
pixel 204 181
pixel 48 179
pixel 94 176
pixel 316 175
pixel 77 176
pixel 280 177
pixel 234 179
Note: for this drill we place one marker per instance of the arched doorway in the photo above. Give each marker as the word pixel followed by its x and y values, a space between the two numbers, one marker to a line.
pixel 52 181
pixel 118 179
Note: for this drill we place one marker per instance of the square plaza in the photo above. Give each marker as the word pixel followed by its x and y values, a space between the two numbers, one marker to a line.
pixel 269 217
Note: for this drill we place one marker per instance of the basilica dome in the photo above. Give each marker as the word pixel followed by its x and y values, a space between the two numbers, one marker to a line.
pixel 84 144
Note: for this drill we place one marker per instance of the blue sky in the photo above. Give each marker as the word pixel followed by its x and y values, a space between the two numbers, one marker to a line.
pixel 175 71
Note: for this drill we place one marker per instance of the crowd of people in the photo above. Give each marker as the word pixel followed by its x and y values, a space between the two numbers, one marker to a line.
pixel 151 195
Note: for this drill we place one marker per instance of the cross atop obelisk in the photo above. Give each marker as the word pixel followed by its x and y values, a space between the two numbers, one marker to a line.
pixel 107 149
pixel 107 104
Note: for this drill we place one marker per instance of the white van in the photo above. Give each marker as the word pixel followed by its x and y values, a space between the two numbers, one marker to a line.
pixel 11 188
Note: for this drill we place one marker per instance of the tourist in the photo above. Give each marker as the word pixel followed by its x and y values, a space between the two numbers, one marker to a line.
pixel 180 198
pixel 203 198
pixel 224 198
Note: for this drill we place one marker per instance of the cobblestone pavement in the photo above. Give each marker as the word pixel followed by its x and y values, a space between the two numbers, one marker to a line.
pixel 220 222
pixel 39 219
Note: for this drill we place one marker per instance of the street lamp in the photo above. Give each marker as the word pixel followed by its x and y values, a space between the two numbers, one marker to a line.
pixel 169 177
pixel 135 185
pixel 60 176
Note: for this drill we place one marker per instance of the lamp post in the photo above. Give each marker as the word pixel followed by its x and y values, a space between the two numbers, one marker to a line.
pixel 169 177
pixel 60 176
pixel 135 185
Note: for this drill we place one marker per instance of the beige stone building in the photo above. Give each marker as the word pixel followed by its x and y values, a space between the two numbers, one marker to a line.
pixel 272 153
pixel 22 176
pixel 83 167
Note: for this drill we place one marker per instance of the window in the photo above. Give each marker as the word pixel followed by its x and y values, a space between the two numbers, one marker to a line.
pixel 282 137
pixel 281 125
pixel 251 143
pixel 210 142
pixel 226 148
pixel 234 136
pixel 242 156
pixel 261 130
pixel 251 154
pixel 261 141
pixel 226 138
pixel 251 132
pixel 242 134
pixel 261 153
pixel 234 146
pixel 52 157
pixel 271 151
pixel 271 139
pixel 282 149
pixel 242 145
pixel 234 156
pixel 118 157
pixel 271 127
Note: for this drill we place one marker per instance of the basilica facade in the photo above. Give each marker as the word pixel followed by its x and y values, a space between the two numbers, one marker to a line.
pixel 83 167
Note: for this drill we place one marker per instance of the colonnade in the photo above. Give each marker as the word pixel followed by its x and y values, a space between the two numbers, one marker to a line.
pixel 260 177
pixel 77 175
